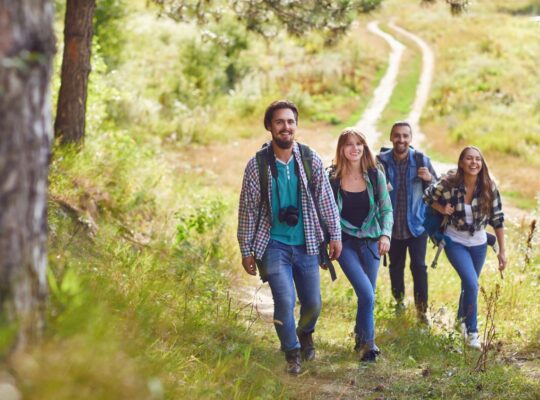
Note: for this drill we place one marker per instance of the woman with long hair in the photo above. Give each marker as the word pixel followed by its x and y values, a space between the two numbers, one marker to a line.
pixel 471 200
pixel 366 222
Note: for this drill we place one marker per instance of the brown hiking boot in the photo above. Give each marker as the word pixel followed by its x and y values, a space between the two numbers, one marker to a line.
pixel 306 344
pixel 293 361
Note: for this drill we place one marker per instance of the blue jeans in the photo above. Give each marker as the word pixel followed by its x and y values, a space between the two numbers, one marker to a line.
pixel 359 262
pixel 468 262
pixel 286 267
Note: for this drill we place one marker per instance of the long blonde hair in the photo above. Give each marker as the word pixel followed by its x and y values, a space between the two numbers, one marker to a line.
pixel 340 162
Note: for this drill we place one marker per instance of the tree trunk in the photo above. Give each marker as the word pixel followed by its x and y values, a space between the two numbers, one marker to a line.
pixel 27 46
pixel 71 110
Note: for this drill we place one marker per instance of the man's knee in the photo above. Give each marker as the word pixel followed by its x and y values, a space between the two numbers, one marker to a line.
pixel 313 306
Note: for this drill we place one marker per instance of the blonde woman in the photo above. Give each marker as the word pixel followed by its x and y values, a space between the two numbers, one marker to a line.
pixel 366 221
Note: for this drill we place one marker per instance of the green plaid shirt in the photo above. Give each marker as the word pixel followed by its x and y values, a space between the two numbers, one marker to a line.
pixel 443 194
pixel 380 218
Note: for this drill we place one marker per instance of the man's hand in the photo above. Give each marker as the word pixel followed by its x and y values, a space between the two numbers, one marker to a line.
pixel 249 265
pixel 383 245
pixel 334 250
pixel 424 174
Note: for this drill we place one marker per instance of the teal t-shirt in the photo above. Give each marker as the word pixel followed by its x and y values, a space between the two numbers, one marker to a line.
pixel 289 195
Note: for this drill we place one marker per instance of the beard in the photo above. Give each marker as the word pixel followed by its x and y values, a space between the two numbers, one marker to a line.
pixel 401 148
pixel 283 144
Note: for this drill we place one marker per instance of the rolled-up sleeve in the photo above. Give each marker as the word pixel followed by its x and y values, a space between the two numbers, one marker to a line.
pixel 496 219
pixel 435 192
pixel 385 205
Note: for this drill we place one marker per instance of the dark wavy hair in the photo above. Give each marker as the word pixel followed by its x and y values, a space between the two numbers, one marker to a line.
pixel 340 162
pixel 278 105
pixel 400 123
pixel 484 184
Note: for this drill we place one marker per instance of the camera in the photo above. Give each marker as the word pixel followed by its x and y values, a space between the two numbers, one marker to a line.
pixel 289 215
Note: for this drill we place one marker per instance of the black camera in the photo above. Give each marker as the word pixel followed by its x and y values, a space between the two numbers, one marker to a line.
pixel 289 215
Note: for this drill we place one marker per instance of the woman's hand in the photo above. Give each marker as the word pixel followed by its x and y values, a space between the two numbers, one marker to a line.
pixel 447 209
pixel 502 260
pixel 383 245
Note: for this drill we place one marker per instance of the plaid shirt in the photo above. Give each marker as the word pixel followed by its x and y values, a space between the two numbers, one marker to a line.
pixel 442 193
pixel 254 243
pixel 401 225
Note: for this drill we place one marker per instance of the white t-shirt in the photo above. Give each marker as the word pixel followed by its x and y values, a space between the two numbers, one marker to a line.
pixel 464 237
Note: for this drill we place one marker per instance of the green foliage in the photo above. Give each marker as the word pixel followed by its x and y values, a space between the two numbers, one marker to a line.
pixel 200 221
pixel 267 18
pixel 109 20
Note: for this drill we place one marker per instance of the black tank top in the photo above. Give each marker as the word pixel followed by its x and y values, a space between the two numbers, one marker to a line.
pixel 355 207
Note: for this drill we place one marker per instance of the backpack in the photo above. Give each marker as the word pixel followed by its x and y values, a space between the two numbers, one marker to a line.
pixel 418 158
pixel 265 159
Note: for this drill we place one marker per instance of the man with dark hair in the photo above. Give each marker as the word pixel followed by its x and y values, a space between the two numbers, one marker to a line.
pixel 408 171
pixel 279 230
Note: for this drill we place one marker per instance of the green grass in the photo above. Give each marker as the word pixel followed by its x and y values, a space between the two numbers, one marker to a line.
pixel 144 265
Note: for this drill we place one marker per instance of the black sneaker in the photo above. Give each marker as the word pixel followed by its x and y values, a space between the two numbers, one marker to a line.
pixel 306 345
pixel 293 361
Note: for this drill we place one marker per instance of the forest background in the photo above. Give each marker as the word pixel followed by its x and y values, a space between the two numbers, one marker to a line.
pixel 147 297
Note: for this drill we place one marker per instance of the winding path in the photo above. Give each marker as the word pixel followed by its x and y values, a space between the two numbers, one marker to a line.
pixel 383 92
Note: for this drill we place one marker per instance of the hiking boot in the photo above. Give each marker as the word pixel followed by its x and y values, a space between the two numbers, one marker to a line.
pixel 306 344
pixel 370 355
pixel 473 341
pixel 358 344
pixel 293 361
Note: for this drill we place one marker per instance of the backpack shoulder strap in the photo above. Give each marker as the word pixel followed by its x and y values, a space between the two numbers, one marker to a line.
pixel 262 157
pixel 373 175
pixel 306 154
pixel 382 165
pixel 419 159
pixel 334 182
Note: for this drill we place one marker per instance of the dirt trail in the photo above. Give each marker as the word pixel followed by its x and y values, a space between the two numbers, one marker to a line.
pixel 381 95
pixel 424 84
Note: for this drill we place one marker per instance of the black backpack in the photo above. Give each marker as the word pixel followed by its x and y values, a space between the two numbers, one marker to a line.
pixel 265 158
pixel 418 158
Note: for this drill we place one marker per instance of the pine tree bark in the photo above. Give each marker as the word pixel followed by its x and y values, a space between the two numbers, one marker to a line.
pixel 27 46
pixel 71 110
